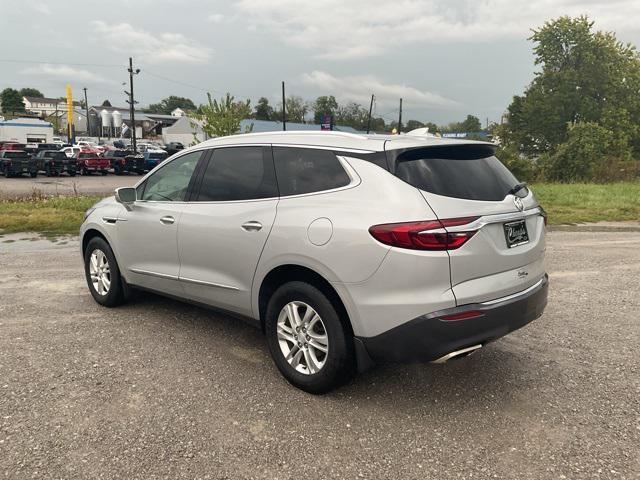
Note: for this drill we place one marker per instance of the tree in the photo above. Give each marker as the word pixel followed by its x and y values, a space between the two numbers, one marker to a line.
pixel 106 103
pixel 169 104
pixel 222 118
pixel 297 109
pixel 413 124
pixel 591 153
pixel 31 92
pixel 352 115
pixel 263 110
pixel 11 100
pixel 471 124
pixel 585 76
pixel 324 105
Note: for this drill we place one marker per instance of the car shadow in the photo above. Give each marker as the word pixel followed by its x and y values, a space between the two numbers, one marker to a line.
pixel 497 374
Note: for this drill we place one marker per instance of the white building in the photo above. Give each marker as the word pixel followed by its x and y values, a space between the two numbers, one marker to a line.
pixel 45 106
pixel 178 112
pixel 26 130
pixel 183 131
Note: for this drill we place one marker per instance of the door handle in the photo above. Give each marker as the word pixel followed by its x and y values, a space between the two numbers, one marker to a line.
pixel 168 220
pixel 252 226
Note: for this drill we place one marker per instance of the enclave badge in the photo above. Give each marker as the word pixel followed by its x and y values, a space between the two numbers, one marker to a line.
pixel 518 203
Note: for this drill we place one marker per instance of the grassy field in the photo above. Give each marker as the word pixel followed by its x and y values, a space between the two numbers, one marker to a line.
pixel 50 216
pixel 565 204
pixel 584 202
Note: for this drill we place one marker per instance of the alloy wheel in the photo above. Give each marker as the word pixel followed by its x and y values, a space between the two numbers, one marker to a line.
pixel 100 272
pixel 302 337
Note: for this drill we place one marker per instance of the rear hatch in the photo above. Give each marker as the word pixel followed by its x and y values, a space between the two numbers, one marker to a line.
pixel 505 250
pixel 20 162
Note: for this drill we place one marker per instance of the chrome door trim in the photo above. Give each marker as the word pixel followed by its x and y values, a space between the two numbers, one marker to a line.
pixel 207 284
pixel 153 274
pixel 498 218
pixel 515 295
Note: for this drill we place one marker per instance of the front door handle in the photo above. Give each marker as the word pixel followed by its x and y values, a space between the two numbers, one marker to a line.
pixel 252 226
pixel 168 220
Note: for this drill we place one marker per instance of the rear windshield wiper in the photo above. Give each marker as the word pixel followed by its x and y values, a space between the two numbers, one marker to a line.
pixel 516 188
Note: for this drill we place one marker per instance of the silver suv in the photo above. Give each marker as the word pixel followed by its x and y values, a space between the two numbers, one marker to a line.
pixel 345 249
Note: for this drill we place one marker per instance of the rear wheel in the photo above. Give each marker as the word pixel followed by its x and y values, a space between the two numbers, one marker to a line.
pixel 117 170
pixel 7 173
pixel 102 273
pixel 308 342
pixel 47 170
pixel 33 174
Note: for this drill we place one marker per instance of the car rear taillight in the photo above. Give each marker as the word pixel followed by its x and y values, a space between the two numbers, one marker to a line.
pixel 429 235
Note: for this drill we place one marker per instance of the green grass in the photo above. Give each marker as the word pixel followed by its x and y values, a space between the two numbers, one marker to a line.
pixel 586 202
pixel 565 204
pixel 49 216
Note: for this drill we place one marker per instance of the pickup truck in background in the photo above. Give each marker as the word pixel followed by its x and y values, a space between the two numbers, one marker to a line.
pixel 55 162
pixel 89 162
pixel 15 163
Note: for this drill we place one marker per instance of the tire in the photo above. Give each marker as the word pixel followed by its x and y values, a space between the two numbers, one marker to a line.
pixel 47 170
pixel 7 173
pixel 117 170
pixel 84 172
pixel 104 172
pixel 115 293
pixel 71 173
pixel 338 364
pixel 33 174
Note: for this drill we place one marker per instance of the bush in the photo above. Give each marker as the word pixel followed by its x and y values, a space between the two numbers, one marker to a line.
pixel 591 152
pixel 521 167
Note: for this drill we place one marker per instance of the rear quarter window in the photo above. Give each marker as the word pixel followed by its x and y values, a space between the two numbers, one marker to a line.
pixel 306 170
pixel 466 173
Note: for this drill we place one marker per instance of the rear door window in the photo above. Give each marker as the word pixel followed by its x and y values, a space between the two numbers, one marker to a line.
pixel 458 173
pixel 306 170
pixel 238 173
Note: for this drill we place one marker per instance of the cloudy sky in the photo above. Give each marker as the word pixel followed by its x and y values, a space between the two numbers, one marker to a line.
pixel 445 58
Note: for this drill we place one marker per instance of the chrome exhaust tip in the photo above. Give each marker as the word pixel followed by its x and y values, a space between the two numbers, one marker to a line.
pixel 457 354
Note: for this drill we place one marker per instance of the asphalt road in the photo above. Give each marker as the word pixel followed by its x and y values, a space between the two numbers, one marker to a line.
pixel 90 185
pixel 158 389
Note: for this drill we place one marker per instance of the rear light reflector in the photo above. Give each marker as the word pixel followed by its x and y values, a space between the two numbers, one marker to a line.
pixel 428 235
pixel 462 315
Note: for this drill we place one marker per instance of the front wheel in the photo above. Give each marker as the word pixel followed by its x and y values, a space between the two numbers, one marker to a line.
pixel 33 174
pixel 309 343
pixel 102 273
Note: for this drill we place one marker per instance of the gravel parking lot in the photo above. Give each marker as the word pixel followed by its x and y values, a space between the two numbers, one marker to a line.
pixel 89 185
pixel 157 389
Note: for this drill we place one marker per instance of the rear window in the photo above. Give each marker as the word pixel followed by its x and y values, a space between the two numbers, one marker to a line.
pixel 306 170
pixel 15 154
pixel 468 174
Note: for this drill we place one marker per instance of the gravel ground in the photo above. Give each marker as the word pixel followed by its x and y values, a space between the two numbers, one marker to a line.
pixel 90 185
pixel 158 389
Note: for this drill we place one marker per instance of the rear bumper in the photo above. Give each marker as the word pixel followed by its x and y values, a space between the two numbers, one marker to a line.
pixel 429 337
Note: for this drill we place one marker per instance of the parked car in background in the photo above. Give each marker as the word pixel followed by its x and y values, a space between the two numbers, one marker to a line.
pixel 14 163
pixel 71 152
pixel 12 146
pixel 89 162
pixel 153 158
pixel 125 161
pixel 173 147
pixel 55 162
pixel 47 146
pixel 31 148
pixel 345 249
pixel 58 141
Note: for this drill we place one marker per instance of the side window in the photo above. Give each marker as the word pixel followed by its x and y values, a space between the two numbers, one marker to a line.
pixel 170 183
pixel 238 173
pixel 306 170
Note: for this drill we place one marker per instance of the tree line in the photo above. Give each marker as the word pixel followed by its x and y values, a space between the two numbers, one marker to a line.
pixel 579 119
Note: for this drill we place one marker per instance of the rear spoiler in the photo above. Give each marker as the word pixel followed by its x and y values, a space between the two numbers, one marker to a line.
pixel 463 151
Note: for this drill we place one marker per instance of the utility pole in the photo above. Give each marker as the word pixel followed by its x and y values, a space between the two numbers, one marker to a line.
pixel 284 113
pixel 370 111
pixel 57 120
pixel 86 108
pixel 400 119
pixel 132 103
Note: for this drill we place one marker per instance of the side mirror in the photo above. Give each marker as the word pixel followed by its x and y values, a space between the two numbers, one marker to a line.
pixel 126 196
